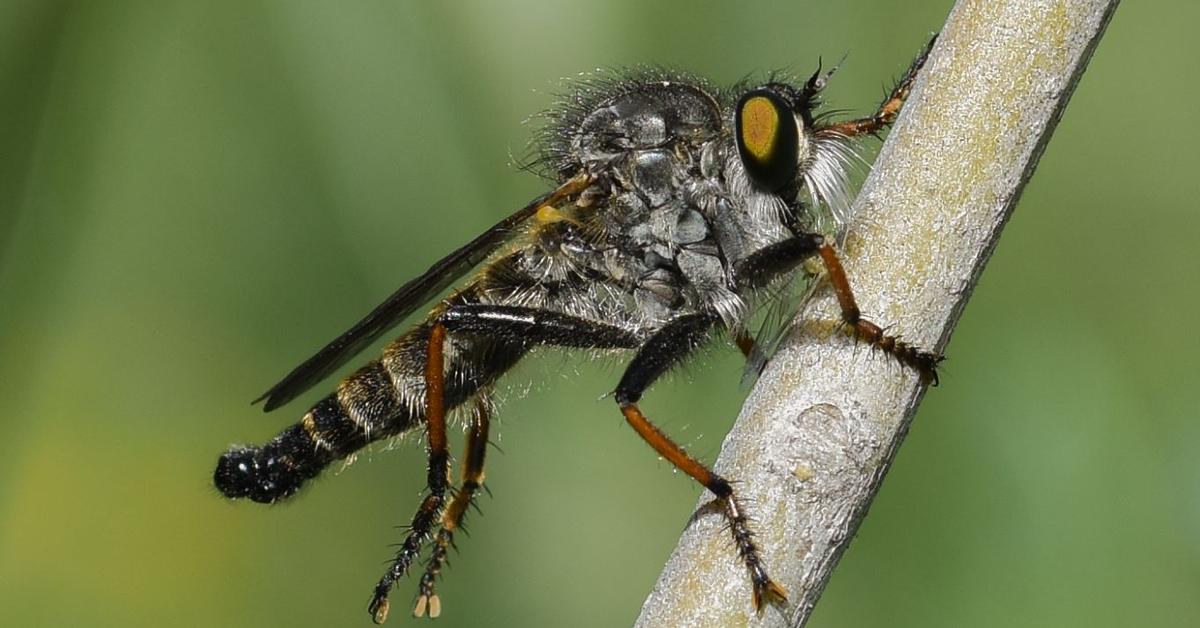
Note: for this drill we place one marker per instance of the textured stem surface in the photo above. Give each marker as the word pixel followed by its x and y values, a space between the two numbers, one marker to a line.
pixel 818 433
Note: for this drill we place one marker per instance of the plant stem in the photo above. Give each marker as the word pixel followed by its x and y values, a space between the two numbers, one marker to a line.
pixel 819 431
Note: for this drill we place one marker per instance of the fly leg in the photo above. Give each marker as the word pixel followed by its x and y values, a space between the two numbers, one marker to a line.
pixel 745 343
pixel 536 327
pixel 758 270
pixel 456 510
pixel 887 111
pixel 439 461
pixel 505 323
pixel 924 362
pixel 664 350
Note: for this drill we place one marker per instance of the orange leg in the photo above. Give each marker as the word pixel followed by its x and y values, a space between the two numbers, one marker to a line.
pixel 923 361
pixel 760 268
pixel 886 114
pixel 662 351
pixel 456 510
pixel 430 509
pixel 764 588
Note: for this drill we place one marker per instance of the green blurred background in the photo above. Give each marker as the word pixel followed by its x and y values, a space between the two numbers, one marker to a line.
pixel 195 196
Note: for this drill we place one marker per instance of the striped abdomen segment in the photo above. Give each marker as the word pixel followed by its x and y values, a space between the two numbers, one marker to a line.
pixel 382 399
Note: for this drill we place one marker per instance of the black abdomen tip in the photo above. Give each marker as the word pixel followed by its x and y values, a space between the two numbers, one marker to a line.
pixel 251 472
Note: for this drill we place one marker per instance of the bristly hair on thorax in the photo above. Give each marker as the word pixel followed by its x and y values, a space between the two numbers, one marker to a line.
pixel 826 173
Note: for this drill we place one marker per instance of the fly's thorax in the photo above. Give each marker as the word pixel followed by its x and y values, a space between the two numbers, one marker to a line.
pixel 679 205
pixel 645 139
pixel 640 115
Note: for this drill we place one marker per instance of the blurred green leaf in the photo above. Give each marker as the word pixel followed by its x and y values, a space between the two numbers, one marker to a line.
pixel 194 196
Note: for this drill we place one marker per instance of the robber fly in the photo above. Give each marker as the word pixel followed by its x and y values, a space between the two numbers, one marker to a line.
pixel 674 205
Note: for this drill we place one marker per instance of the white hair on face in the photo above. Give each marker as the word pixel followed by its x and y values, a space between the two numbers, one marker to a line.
pixel 826 159
pixel 827 173
pixel 765 209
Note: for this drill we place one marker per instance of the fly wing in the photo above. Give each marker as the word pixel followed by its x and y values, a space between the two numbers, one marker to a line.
pixel 786 299
pixel 407 299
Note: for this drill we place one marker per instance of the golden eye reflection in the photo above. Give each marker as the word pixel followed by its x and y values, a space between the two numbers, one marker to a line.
pixel 760 127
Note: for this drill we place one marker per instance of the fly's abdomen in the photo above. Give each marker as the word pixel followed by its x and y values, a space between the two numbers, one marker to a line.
pixel 383 399
pixel 365 408
pixel 273 471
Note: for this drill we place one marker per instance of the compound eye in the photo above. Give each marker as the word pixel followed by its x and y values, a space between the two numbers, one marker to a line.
pixel 768 138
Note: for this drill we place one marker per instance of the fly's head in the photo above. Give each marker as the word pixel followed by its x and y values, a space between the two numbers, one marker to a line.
pixel 785 155
pixel 772 128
